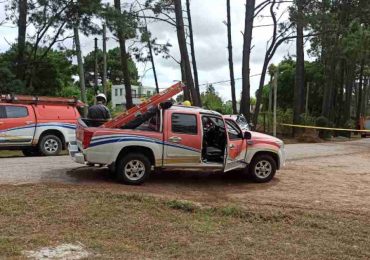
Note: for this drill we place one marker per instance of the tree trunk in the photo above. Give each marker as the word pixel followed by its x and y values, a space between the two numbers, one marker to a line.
pixel 247 38
pixel 348 96
pixel 184 53
pixel 183 79
pixel 195 70
pixel 22 26
pixel 124 61
pixel 153 65
pixel 299 76
pixel 80 69
pixel 105 59
pixel 359 100
pixel 259 91
pixel 231 64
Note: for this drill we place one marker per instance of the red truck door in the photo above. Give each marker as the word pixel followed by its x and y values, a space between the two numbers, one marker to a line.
pixel 182 139
pixel 17 125
pixel 236 147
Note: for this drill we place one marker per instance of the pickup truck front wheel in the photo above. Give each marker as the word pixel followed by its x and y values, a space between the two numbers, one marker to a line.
pixel 262 168
pixel 133 169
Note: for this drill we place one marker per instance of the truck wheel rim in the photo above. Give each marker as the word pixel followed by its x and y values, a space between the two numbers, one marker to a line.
pixel 134 170
pixel 51 145
pixel 263 169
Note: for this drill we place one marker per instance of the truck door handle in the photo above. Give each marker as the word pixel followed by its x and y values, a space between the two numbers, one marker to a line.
pixel 175 139
pixel 232 146
pixel 29 122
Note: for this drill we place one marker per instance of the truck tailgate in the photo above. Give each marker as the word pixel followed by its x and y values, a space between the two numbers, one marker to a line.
pixel 76 148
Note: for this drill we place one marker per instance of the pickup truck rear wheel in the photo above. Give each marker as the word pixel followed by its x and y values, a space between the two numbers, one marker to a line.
pixel 133 169
pixel 50 145
pixel 262 168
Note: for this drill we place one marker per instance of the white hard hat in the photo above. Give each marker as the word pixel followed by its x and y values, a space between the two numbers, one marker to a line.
pixel 102 96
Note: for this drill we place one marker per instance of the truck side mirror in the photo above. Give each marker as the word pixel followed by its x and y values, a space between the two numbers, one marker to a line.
pixel 247 135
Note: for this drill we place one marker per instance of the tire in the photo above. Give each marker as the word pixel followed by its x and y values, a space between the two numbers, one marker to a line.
pixel 31 152
pixel 50 145
pixel 263 168
pixel 136 176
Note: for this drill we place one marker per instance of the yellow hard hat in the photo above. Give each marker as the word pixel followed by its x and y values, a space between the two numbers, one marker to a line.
pixel 186 103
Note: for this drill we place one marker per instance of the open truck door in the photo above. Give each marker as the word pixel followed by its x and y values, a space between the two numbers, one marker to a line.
pixel 236 148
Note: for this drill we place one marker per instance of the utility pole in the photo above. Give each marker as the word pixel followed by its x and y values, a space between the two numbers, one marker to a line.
pixel 275 98
pixel 96 66
pixel 105 59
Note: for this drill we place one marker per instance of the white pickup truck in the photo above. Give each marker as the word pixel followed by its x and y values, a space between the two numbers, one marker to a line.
pixel 177 137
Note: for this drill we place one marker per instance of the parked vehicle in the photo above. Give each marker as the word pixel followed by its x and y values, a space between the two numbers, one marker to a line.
pixel 241 121
pixel 175 137
pixel 37 125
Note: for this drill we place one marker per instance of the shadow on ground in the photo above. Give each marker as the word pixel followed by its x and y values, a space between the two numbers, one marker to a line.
pixel 178 178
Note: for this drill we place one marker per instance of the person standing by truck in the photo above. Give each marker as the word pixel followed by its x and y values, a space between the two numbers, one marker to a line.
pixel 99 113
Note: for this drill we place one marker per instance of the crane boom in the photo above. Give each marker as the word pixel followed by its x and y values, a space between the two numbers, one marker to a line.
pixel 137 110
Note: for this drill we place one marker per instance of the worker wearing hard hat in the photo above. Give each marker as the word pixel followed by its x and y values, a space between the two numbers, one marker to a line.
pixel 99 112
pixel 186 103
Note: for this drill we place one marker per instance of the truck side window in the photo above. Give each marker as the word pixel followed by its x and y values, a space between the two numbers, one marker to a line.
pixel 233 131
pixel 184 123
pixel 2 112
pixel 16 111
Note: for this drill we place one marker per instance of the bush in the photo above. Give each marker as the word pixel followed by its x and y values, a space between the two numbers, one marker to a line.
pixel 306 119
pixel 322 121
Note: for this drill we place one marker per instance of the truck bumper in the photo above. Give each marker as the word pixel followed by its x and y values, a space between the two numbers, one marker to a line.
pixel 282 157
pixel 75 153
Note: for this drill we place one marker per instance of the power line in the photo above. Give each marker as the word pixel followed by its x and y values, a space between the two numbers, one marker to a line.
pixel 225 81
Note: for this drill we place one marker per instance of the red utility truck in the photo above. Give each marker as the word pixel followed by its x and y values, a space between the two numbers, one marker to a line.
pixel 37 125
pixel 158 135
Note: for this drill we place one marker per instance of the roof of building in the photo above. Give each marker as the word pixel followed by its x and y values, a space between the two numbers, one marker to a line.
pixel 136 86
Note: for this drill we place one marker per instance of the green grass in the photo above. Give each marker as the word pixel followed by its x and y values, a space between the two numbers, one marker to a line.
pixel 120 225
pixel 10 153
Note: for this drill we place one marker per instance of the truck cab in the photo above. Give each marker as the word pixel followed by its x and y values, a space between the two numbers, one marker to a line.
pixel 177 137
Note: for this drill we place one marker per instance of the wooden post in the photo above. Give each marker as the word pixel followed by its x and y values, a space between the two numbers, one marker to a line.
pixel 96 66
pixel 275 99
pixel 105 59
pixel 307 96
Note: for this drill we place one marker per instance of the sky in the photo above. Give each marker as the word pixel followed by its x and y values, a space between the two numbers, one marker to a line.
pixel 210 40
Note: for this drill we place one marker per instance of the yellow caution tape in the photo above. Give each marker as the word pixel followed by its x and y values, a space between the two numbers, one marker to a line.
pixel 327 128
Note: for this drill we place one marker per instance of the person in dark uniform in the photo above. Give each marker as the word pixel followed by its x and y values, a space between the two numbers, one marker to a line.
pixel 99 113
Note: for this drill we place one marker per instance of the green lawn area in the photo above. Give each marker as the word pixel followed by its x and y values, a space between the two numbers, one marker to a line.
pixel 10 153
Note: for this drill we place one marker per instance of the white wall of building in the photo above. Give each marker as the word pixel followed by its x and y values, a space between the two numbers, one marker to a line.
pixel 138 92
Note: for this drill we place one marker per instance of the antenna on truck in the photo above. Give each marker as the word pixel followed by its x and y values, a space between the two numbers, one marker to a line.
pixel 138 110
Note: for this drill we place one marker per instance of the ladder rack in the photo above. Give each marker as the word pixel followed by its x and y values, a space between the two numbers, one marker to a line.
pixel 24 99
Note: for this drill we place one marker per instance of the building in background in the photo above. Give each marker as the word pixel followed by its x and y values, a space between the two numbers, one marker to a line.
pixel 138 93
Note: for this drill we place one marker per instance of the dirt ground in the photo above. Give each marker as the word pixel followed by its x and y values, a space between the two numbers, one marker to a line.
pixel 331 176
pixel 317 207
